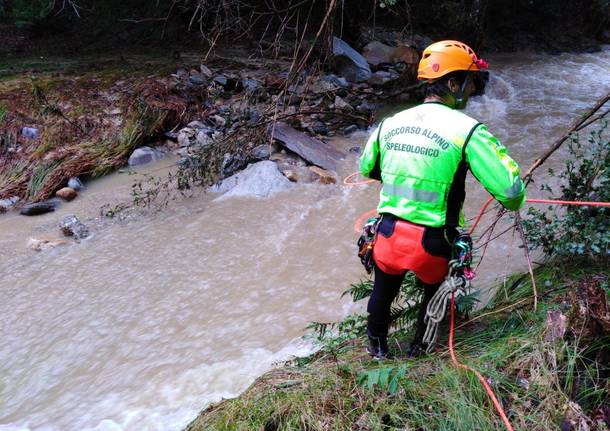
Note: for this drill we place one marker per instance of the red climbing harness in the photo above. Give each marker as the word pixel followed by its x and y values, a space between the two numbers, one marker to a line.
pixel 403 250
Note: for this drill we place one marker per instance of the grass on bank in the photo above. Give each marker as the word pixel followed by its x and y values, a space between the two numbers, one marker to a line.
pixel 79 133
pixel 542 384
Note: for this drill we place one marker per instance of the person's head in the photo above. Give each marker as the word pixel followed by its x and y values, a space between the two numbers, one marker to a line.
pixel 452 72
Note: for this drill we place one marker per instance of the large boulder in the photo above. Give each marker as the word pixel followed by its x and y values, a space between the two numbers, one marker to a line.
pixel 144 155
pixel 258 180
pixel 349 63
pixel 378 53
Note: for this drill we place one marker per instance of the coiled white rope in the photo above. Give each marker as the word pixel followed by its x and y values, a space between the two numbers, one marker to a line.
pixel 437 307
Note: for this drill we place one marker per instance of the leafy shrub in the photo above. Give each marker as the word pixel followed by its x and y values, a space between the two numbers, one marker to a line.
pixel 577 231
pixel 332 337
pixel 385 378
pixel 28 12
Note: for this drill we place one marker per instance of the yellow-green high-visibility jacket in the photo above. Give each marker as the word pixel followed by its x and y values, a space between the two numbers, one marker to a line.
pixel 422 155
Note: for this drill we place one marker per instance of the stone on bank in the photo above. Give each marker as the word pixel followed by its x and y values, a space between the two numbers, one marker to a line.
pixel 349 63
pixel 258 180
pixel 144 155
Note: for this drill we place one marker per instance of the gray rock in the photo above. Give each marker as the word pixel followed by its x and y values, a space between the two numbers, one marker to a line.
pixel 72 226
pixel 198 79
pixel 8 203
pixel 310 149
pixel 203 139
pixel 349 63
pixel 350 129
pixel 250 85
pixel 321 86
pixel 221 80
pixel 186 136
pixel 196 125
pixel 342 104
pixel 380 77
pixel 319 128
pixel 336 80
pixel 262 152
pixel 218 120
pixel 366 107
pixel 232 163
pixel 255 117
pixel 258 180
pixel 75 184
pixel 171 135
pixel 38 208
pixel 205 71
pixel 422 42
pixel 144 155
pixel 30 132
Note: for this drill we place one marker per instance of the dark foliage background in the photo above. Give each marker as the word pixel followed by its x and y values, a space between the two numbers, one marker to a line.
pixel 496 24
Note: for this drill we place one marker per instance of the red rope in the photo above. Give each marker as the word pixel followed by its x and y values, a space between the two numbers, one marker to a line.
pixel 554 202
pixel 356 183
pixel 481 212
pixel 360 220
pixel 488 389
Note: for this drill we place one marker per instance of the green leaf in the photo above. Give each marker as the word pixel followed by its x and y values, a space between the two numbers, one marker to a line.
pixel 384 376
pixel 373 378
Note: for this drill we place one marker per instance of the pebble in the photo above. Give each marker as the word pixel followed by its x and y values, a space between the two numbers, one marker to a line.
pixel 75 183
pixel 66 193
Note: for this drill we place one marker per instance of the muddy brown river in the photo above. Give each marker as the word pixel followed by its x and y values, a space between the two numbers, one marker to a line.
pixel 151 319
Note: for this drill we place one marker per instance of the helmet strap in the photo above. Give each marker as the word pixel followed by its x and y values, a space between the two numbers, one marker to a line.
pixel 460 103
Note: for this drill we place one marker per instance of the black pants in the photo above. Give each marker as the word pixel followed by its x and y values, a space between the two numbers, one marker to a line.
pixel 436 241
pixel 385 290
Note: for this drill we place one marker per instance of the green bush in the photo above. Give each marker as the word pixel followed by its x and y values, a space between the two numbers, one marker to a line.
pixel 28 12
pixel 577 231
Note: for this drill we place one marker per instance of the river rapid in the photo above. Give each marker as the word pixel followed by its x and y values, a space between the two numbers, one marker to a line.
pixel 153 318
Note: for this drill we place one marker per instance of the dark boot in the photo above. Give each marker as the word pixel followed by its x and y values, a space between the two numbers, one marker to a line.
pixel 417 348
pixel 378 347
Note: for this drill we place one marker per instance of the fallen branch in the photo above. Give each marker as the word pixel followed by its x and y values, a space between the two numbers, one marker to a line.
pixel 527 256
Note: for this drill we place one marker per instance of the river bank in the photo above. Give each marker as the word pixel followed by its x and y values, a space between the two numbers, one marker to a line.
pixel 548 368
pixel 61 122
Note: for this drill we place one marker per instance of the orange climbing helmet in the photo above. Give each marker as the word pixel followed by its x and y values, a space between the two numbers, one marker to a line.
pixel 448 56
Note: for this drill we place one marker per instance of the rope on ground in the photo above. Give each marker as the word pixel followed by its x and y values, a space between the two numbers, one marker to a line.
pixel 488 389
pixel 437 307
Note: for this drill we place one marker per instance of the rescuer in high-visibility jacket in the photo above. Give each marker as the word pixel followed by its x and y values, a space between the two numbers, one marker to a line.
pixel 421 156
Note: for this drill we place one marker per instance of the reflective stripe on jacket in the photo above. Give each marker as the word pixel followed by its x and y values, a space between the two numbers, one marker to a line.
pixel 422 155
